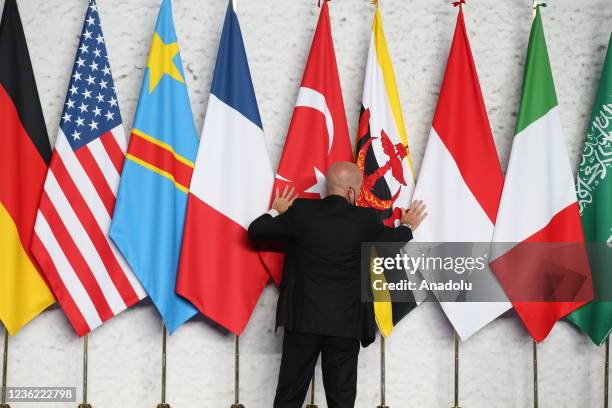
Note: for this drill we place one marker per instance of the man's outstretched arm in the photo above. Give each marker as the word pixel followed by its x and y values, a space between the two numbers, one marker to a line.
pixel 278 223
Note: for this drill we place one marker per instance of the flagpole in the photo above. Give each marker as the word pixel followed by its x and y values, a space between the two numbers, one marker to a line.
pixel 84 404
pixel 237 403
pixel 607 372
pixel 163 403
pixel 455 336
pixel 3 403
pixel 383 373
pixel 535 374
pixel 456 341
pixel 312 393
pixel 536 4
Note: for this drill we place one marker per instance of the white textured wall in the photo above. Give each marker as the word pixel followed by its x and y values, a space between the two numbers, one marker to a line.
pixel 495 363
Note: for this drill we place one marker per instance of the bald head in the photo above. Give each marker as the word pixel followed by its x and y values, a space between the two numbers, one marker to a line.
pixel 341 178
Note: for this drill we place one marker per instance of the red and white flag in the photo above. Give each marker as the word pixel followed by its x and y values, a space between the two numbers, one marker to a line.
pixel 318 134
pixel 88 275
pixel 461 179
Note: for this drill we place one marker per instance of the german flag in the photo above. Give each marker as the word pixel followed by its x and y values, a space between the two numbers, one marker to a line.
pixel 24 159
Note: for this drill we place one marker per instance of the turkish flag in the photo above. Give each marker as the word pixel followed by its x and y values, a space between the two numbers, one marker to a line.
pixel 318 134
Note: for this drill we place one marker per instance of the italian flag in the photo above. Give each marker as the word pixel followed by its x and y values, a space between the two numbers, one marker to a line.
pixel 538 205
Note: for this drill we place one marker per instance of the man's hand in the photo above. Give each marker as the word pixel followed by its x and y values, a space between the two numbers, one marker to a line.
pixel 282 201
pixel 414 215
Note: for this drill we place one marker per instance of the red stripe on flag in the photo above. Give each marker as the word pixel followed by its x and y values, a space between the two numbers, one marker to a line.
pixel 93 172
pixel 97 237
pixel 161 158
pixel 74 256
pixel 22 171
pixel 60 291
pixel 219 272
pixel 528 271
pixel 113 150
pixel 462 123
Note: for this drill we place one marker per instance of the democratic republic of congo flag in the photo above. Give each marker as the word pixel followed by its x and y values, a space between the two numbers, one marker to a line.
pixel 384 158
pixel 149 215
pixel 24 159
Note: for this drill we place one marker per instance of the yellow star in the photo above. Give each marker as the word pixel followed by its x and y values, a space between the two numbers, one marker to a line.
pixel 160 62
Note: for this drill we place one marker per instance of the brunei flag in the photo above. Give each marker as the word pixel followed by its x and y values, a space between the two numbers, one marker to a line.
pixel 24 159
pixel 384 159
pixel 147 224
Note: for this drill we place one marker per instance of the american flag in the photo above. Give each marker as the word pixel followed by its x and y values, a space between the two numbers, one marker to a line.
pixel 86 272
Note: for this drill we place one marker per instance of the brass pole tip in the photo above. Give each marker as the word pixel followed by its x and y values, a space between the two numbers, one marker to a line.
pixel 81 406
pixel 237 406
pixel 163 405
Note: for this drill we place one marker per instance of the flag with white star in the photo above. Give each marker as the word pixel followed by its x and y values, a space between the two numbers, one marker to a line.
pixel 86 272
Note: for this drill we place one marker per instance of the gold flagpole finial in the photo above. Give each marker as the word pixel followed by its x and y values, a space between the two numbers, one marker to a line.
pixel 536 5
pixel 375 3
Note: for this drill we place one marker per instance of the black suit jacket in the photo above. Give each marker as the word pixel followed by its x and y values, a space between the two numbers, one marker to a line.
pixel 320 292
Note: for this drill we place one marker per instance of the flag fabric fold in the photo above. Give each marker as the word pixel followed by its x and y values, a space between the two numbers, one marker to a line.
pixel 461 179
pixel 538 203
pixel 318 133
pixel 86 272
pixel 594 190
pixel 220 272
pixel 149 216
pixel 384 157
pixel 24 158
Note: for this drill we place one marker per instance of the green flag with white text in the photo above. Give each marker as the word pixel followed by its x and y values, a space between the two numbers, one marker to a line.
pixel 594 190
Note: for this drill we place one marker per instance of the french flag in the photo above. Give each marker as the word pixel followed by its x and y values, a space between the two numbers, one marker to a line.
pixel 219 271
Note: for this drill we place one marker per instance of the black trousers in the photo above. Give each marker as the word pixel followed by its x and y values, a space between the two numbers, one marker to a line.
pixel 338 362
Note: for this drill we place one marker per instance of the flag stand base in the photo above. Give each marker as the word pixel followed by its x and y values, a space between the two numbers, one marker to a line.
pixel 237 406
pixel 81 406
pixel 382 406
pixel 5 406
pixel 163 405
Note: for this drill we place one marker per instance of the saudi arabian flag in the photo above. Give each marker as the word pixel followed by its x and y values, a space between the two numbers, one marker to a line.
pixel 594 189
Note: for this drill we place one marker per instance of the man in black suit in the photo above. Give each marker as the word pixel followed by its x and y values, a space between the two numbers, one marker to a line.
pixel 320 303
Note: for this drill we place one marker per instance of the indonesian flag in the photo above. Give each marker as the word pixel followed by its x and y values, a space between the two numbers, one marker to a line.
pixel 219 272
pixel 539 205
pixel 461 178
pixel 318 134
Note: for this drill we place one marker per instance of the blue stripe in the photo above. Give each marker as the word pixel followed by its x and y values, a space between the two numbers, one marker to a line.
pixel 147 228
pixel 232 82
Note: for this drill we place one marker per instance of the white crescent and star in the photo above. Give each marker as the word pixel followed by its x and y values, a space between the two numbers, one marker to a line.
pixel 310 98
